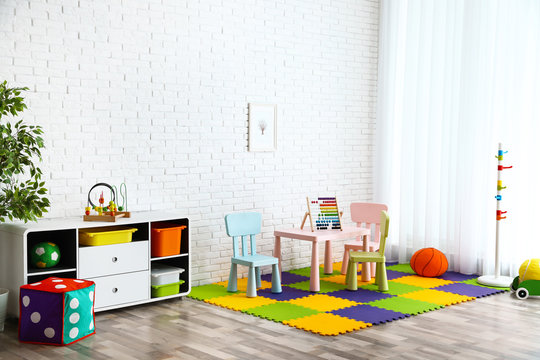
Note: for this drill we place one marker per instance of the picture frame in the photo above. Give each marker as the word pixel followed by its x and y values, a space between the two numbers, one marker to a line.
pixel 262 127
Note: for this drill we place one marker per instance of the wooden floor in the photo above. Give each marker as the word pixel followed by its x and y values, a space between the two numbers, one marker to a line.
pixel 496 327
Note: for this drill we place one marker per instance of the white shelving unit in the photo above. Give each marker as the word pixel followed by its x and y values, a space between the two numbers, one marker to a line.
pixel 121 271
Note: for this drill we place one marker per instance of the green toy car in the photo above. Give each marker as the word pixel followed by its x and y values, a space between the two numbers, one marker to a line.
pixel 530 285
pixel 525 288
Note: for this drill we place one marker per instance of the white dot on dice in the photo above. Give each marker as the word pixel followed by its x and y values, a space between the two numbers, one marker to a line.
pixel 74 303
pixel 35 317
pixel 74 318
pixel 49 332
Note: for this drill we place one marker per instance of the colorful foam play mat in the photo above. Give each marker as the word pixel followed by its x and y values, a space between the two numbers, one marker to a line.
pixel 335 310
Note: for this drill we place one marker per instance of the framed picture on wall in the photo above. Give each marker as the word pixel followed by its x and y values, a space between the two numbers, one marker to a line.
pixel 262 133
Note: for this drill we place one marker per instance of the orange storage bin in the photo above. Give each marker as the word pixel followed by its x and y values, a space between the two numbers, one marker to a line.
pixel 166 239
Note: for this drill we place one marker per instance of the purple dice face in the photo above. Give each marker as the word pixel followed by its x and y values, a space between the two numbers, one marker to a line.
pixel 41 316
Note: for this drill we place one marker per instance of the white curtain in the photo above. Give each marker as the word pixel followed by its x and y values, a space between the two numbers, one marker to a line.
pixel 456 78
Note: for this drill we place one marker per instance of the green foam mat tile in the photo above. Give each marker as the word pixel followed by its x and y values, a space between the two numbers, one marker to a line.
pixel 394 288
pixel 325 287
pixel 209 291
pixel 405 306
pixel 476 283
pixel 281 311
pixel 307 272
pixel 405 268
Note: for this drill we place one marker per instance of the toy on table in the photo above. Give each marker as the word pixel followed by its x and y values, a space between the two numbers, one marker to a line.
pixel 107 213
pixel 429 262
pixel 528 282
pixel 497 280
pixel 45 255
pixel 328 214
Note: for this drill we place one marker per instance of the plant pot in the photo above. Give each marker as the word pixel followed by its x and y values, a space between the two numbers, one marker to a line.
pixel 3 306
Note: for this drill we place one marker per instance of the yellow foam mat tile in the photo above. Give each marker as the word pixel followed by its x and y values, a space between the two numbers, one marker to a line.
pixel 242 284
pixel 327 324
pixel 239 301
pixel 323 302
pixel 425 282
pixel 335 266
pixel 340 279
pixel 437 297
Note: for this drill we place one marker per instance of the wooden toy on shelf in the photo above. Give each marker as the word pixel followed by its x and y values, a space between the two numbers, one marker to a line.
pixel 109 213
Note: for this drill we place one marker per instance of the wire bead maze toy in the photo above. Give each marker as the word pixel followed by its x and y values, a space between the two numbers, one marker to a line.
pixel 110 212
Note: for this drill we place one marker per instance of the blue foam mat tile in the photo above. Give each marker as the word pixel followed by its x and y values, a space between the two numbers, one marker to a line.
pixel 288 293
pixel 286 278
pixel 370 314
pixel 392 274
pixel 455 276
pixel 360 295
pixel 468 290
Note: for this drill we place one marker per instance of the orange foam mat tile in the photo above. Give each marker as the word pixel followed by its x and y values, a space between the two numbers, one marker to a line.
pixel 327 324
pixel 322 302
pixel 437 297
pixel 240 301
pixel 425 282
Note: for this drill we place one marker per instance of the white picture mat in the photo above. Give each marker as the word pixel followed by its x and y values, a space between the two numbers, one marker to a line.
pixel 262 134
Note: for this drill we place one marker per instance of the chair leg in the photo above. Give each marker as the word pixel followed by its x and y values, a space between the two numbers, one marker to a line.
pixel 383 280
pixel 232 287
pixel 276 279
pixel 258 277
pixel 345 262
pixel 373 265
pixel 352 277
pixel 251 290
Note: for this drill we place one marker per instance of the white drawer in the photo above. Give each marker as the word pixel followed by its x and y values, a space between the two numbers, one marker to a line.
pixel 122 289
pixel 105 260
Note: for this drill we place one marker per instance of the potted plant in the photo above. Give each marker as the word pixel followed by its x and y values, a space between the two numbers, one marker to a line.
pixel 22 193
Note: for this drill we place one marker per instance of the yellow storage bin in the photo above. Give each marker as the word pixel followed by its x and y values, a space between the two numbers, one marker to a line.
pixel 106 235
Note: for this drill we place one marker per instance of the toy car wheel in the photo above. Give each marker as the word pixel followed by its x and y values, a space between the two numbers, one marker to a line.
pixel 522 293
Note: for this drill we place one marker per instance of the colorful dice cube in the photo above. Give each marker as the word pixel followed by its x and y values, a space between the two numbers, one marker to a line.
pixel 56 311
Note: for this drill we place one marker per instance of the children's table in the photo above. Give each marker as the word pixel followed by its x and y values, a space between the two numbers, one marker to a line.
pixel 315 237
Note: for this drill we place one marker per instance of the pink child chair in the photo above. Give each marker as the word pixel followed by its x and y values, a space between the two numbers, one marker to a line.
pixel 364 215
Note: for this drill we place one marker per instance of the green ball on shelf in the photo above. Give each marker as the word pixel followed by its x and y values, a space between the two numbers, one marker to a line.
pixel 45 255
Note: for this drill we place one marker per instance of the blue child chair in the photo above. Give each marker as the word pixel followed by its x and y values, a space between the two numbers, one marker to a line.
pixel 241 226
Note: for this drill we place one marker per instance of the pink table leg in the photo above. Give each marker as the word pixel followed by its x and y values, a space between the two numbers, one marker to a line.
pixel 328 269
pixel 277 251
pixel 314 283
pixel 366 267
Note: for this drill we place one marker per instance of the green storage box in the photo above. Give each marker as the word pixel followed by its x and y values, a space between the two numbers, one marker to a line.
pixel 166 289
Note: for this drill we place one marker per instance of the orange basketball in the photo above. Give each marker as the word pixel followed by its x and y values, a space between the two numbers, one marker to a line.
pixel 429 262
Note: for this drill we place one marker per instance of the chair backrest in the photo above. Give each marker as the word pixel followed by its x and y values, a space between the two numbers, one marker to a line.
pixel 366 214
pixel 242 226
pixel 385 223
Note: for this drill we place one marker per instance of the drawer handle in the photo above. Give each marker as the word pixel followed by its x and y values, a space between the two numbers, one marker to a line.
pixel 115 290
pixel 114 259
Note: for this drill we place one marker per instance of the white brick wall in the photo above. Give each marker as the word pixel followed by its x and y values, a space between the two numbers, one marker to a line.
pixel 155 92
